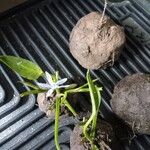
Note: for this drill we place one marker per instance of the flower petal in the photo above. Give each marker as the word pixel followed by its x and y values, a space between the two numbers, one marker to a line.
pixel 43 85
pixel 49 92
pixel 62 81
pixel 49 78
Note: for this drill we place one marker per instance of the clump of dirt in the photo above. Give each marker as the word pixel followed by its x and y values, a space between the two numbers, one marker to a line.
pixel 46 104
pixel 131 101
pixel 96 43
pixel 104 137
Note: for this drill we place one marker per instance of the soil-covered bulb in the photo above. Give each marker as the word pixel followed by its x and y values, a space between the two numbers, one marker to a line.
pixel 103 139
pixel 131 101
pixel 95 43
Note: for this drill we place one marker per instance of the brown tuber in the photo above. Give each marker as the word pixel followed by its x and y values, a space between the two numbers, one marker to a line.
pixel 103 139
pixel 131 101
pixel 96 42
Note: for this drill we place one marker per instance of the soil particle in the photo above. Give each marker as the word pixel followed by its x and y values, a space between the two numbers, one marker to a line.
pixel 131 101
pixel 94 44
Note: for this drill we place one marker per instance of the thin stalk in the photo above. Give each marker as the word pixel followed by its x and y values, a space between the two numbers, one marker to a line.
pixel 94 123
pixel 86 84
pixel 65 101
pixel 80 90
pixel 93 115
pixel 57 112
pixel 81 87
pixel 95 100
pixel 87 136
pixel 70 108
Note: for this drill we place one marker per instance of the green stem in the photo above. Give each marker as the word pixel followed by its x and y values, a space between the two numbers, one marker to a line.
pixel 81 87
pixel 94 123
pixel 80 90
pixel 93 115
pixel 87 136
pixel 57 112
pixel 70 108
pixel 64 101
pixel 95 100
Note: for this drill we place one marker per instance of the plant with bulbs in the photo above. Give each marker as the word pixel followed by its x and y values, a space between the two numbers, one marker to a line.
pixel 55 86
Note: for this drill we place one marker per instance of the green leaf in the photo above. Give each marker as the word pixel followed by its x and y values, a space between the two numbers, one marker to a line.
pixel 32 92
pixel 23 67
pixel 95 100
pixel 99 97
pixel 94 92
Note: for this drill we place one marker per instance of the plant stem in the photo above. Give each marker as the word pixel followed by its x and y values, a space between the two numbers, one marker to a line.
pixel 85 128
pixel 93 115
pixel 95 100
pixel 70 108
pixel 94 123
pixel 65 101
pixel 79 90
pixel 57 112
pixel 81 87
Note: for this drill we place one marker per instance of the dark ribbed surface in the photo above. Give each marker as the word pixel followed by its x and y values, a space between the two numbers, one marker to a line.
pixel 41 34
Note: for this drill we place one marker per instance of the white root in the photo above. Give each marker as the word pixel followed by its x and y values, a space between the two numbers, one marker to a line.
pixel 104 9
pixel 104 146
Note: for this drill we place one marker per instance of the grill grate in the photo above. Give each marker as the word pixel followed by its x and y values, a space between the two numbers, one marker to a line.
pixel 41 34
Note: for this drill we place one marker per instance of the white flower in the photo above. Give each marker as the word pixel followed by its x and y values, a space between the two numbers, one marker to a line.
pixel 52 86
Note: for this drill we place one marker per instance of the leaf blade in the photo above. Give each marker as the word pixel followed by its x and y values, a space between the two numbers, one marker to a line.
pixel 93 91
pixel 23 67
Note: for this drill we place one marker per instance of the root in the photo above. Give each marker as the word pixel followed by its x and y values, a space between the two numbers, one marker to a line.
pixel 113 59
pixel 104 146
pixel 103 13
pixel 134 135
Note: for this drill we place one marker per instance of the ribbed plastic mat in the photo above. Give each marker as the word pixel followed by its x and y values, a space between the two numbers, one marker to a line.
pixel 40 33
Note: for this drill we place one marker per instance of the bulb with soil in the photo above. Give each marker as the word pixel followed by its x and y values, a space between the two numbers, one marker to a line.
pixel 95 42
pixel 131 101
pixel 104 137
